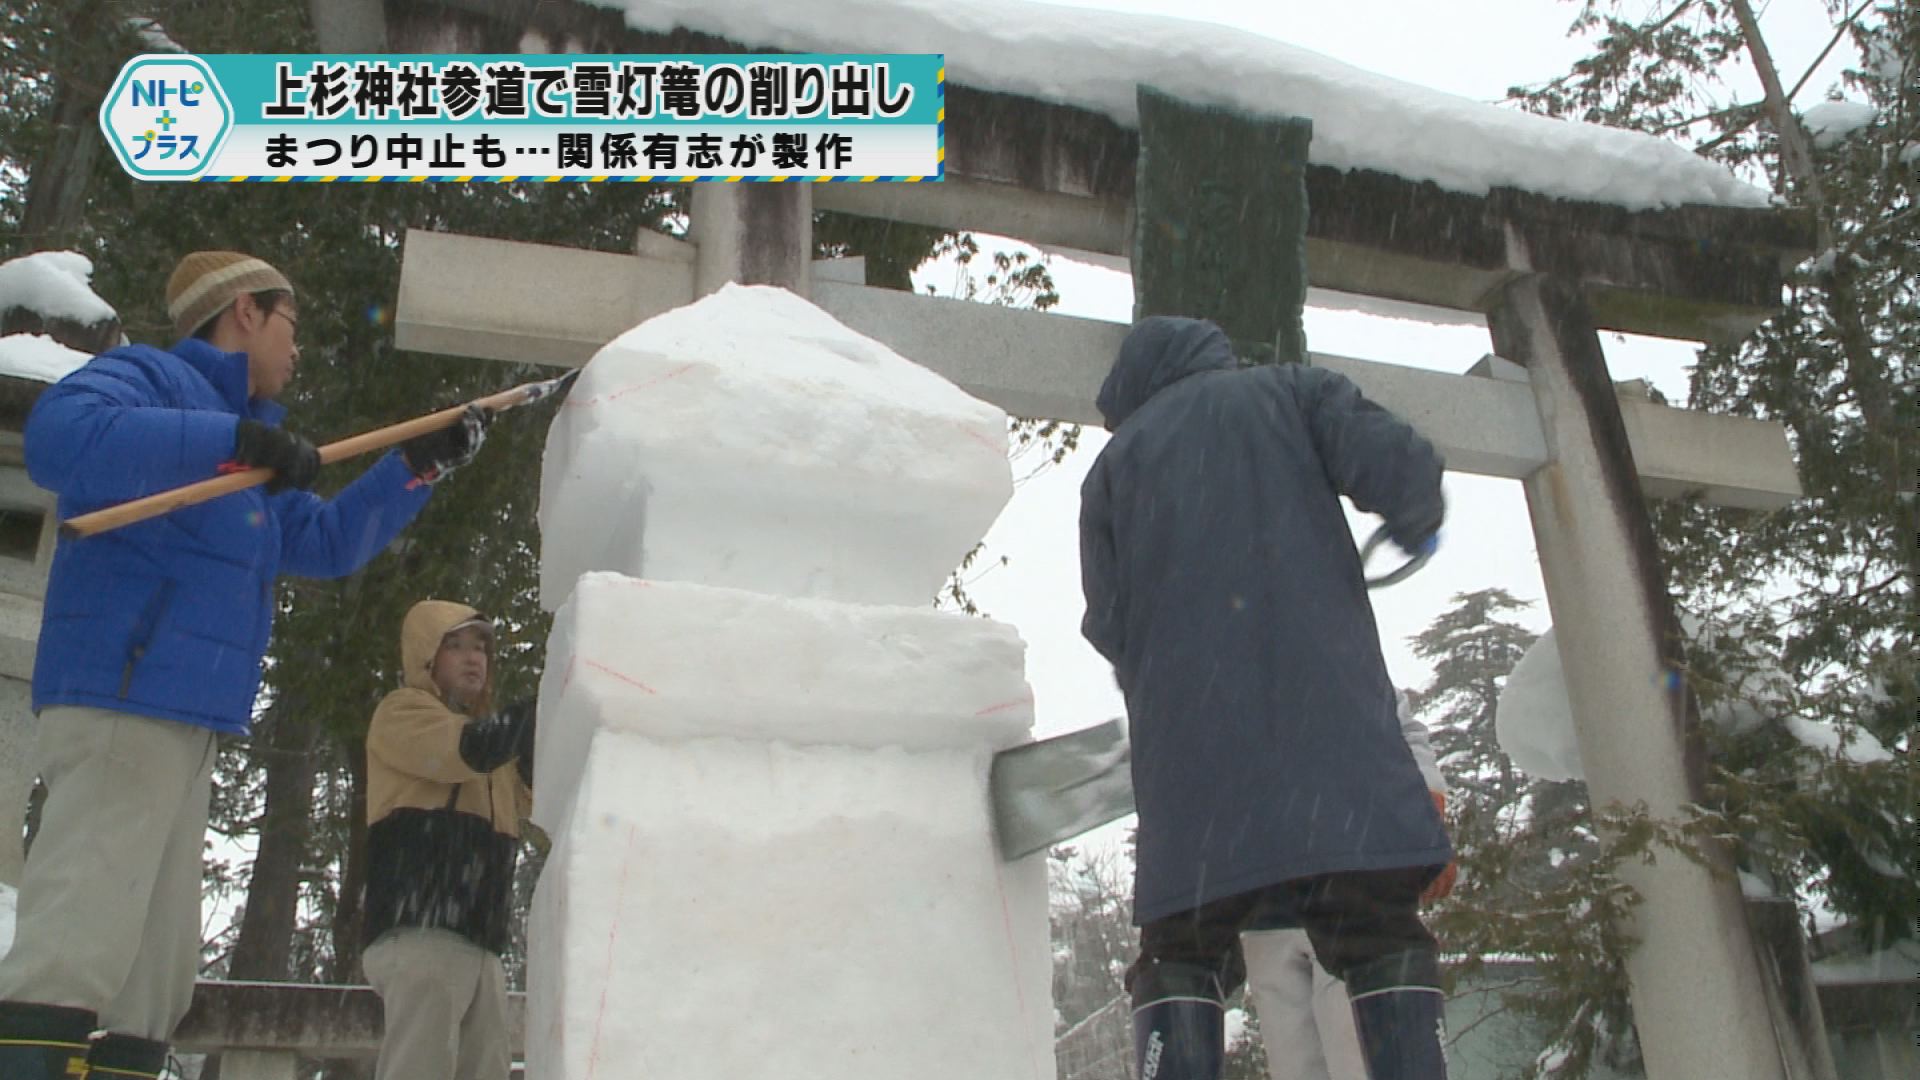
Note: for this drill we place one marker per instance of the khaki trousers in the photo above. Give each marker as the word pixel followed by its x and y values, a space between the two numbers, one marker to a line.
pixel 1306 1020
pixel 445 1000
pixel 109 915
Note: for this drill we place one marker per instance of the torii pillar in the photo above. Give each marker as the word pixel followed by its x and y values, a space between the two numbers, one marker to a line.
pixel 1700 1002
pixel 752 233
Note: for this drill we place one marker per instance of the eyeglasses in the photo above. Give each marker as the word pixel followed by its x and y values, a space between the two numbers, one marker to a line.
pixel 292 320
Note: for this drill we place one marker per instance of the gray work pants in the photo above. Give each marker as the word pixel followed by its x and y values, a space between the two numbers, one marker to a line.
pixel 445 1001
pixel 109 915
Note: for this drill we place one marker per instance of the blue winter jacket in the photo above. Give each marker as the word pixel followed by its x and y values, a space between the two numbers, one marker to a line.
pixel 169 617
pixel 1222 582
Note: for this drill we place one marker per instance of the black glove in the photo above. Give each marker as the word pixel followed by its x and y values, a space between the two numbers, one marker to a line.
pixel 294 461
pixel 488 742
pixel 437 453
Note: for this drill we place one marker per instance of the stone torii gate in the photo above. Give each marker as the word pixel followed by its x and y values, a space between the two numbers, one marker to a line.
pixel 1547 274
pixel 1554 423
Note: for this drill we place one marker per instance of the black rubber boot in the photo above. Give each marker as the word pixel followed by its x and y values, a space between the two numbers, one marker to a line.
pixel 1179 1025
pixel 1400 1013
pixel 43 1042
pixel 126 1057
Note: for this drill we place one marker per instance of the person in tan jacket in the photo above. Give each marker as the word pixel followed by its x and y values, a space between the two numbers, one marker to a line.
pixel 449 779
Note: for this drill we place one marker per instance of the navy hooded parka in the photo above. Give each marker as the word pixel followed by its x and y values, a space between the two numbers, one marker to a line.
pixel 1223 584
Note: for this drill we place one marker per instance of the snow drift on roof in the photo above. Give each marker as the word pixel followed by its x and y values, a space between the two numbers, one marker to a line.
pixel 1094 60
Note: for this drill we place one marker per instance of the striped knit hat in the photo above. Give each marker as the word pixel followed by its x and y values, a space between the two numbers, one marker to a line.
pixel 205 282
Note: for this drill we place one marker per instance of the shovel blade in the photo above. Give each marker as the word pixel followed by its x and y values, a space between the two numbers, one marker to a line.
pixel 1048 792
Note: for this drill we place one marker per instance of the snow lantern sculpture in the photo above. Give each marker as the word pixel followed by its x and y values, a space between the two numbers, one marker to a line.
pixel 762 754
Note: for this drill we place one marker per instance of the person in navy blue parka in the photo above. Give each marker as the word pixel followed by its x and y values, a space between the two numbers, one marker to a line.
pixel 1223 584
pixel 151 646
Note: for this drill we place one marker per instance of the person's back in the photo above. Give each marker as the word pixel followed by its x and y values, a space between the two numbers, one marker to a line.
pixel 1240 626
pixel 1269 770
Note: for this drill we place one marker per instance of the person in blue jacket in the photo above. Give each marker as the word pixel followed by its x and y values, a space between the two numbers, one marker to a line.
pixel 1272 781
pixel 150 649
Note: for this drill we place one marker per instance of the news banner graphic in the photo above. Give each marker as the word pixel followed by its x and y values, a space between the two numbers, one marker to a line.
pixel 320 118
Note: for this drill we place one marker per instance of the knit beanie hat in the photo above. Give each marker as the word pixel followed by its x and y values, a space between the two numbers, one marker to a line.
pixel 205 282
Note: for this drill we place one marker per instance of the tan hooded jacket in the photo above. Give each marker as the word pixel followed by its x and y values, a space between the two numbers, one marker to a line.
pixel 442 836
pixel 413 747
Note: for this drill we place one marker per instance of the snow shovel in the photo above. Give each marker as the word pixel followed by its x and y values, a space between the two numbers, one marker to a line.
pixel 1050 791
pixel 151 506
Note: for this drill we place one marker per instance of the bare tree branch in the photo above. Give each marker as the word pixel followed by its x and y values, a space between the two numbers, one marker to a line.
pixel 1796 150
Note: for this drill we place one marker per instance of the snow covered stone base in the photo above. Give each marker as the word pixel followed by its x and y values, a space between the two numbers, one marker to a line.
pixel 729 908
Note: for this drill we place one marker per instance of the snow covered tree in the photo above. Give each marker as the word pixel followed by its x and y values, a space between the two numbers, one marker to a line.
pixel 1472 649
pixel 1802 619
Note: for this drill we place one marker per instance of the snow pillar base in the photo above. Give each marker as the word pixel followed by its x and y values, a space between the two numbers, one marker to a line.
pixel 780 865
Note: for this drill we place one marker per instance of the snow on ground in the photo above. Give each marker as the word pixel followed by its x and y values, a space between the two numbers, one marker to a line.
pixel 1755 887
pixel 1895 963
pixel 1095 60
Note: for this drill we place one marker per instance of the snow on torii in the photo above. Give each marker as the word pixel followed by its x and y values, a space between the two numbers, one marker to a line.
pixel 1361 120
